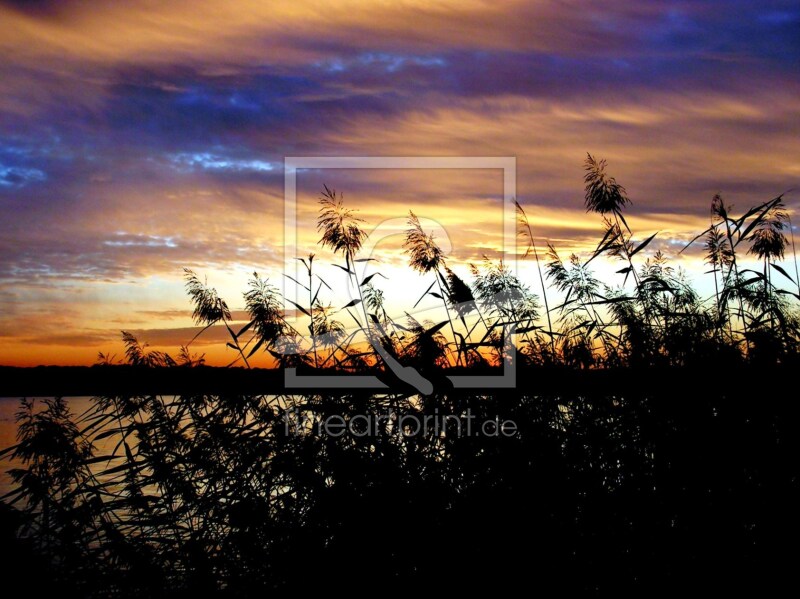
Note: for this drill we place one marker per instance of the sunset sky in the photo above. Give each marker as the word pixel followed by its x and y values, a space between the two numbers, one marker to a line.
pixel 141 137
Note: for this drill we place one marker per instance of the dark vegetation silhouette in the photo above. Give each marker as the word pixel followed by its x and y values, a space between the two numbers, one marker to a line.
pixel 626 486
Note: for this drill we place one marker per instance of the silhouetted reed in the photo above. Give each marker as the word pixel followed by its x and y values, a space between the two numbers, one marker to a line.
pixel 624 485
pixel 659 320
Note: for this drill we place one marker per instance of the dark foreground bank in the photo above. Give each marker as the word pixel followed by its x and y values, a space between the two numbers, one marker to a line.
pixel 73 381
pixel 610 482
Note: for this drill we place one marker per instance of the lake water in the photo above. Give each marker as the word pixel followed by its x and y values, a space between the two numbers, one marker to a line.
pixel 9 406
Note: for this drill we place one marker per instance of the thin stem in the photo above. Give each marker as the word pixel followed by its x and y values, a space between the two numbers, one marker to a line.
pixel 794 253
pixel 235 341
pixel 447 311
pixel 735 269
pixel 544 296
pixel 311 313
pixel 541 278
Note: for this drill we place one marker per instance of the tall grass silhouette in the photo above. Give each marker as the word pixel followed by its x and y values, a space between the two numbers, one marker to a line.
pixel 652 316
pixel 642 479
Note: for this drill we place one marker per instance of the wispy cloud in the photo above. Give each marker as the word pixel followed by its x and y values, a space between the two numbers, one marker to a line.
pixel 14 176
pixel 188 161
